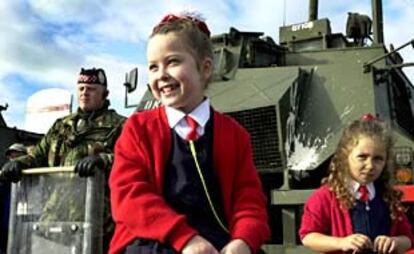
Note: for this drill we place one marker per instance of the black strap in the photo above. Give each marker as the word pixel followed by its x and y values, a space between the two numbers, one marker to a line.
pixel 147 246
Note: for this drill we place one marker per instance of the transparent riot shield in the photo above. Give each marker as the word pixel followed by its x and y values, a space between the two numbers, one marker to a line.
pixel 55 211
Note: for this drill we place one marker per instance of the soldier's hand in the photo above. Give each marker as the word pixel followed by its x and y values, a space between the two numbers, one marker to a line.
pixel 11 171
pixel 86 166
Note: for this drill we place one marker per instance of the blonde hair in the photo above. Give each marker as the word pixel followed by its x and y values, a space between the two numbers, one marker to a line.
pixel 337 180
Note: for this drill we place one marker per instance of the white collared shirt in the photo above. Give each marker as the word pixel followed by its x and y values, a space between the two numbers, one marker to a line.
pixel 355 186
pixel 176 119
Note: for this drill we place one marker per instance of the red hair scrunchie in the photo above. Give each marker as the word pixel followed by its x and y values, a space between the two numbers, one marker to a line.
pixel 367 117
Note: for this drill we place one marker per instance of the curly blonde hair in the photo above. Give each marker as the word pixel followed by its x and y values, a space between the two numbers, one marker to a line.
pixel 337 180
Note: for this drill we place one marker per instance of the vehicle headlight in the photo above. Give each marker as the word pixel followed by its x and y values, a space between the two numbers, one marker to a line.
pixel 403 156
pixel 404 165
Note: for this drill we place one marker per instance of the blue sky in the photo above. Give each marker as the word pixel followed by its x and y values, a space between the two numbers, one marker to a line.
pixel 45 43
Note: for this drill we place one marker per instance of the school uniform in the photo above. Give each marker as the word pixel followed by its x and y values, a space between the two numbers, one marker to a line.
pixel 370 217
pixel 324 214
pixel 149 188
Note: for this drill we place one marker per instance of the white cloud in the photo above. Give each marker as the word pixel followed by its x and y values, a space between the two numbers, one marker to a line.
pixel 24 52
pixel 47 42
pixel 63 11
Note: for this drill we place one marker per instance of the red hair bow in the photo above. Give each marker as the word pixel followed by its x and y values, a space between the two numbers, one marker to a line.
pixel 368 117
pixel 170 18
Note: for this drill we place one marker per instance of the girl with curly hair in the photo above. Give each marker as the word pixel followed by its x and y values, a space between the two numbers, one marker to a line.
pixel 356 210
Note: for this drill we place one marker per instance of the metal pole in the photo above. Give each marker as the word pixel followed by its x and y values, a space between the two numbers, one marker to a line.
pixel 367 66
pixel 313 10
pixel 377 22
pixel 48 170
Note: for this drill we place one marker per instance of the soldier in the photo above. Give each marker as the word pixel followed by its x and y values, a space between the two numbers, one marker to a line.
pixel 15 150
pixel 84 139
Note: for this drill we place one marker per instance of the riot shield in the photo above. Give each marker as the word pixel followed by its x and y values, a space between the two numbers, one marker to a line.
pixel 55 211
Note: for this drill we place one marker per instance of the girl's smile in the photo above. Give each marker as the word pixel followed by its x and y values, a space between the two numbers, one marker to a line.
pixel 169 89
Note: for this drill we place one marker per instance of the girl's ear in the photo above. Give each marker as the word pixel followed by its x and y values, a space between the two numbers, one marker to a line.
pixel 207 68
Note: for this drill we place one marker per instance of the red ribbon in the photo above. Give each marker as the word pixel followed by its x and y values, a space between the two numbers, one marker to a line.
pixel 368 117
pixel 170 18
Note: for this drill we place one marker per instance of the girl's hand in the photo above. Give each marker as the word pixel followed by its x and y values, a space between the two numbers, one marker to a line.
pixel 384 244
pixel 355 242
pixel 236 246
pixel 199 245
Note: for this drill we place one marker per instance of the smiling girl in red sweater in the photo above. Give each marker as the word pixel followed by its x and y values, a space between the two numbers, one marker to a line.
pixel 183 178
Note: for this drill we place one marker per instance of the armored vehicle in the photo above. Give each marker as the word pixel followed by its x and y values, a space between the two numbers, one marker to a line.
pixel 296 96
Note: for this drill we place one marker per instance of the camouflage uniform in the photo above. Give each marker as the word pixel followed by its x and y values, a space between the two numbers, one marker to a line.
pixel 70 139
pixel 76 136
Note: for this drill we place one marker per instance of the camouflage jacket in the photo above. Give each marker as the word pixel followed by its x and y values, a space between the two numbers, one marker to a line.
pixel 76 136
